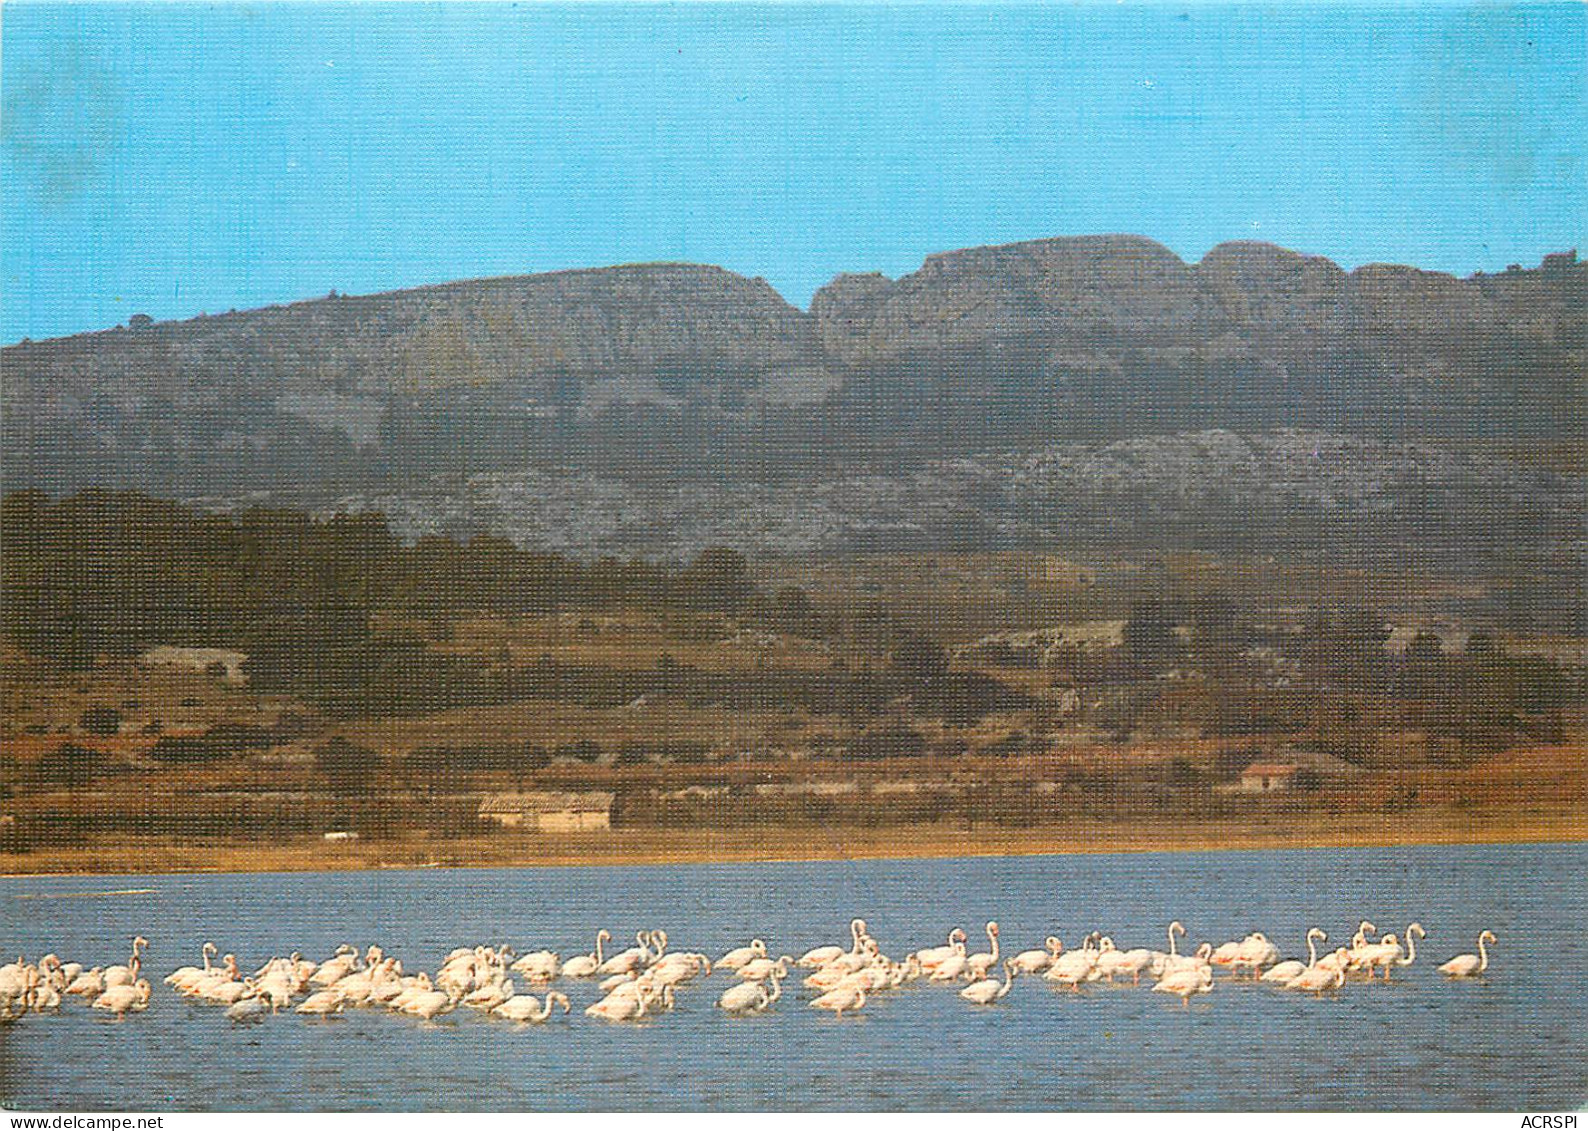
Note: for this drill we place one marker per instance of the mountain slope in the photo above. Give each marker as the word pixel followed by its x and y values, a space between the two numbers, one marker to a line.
pixel 682 370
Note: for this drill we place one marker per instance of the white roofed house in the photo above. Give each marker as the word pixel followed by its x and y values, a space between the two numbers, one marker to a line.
pixel 549 812
pixel 1267 777
pixel 228 664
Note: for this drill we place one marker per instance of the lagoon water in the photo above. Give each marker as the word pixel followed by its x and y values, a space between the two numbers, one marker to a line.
pixel 1515 1040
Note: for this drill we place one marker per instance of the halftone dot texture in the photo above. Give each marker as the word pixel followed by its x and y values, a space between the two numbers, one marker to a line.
pixel 960 508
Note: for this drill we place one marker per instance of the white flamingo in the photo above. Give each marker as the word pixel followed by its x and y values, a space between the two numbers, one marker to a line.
pixel 322 1003
pixel 1165 960
pixel 880 975
pixel 124 998
pixel 847 997
pixel 46 995
pixel 432 1004
pixel 759 969
pixel 741 956
pixel 127 975
pixel 1388 954
pixel 278 965
pixel 524 1007
pixel 228 993
pixel 1254 953
pixel 90 983
pixel 608 985
pixel 977 965
pixel 277 990
pixel 1036 961
pixel 627 961
pixel 633 985
pixel 362 987
pixel 355 987
pixel 1112 963
pixel 491 995
pixel 1470 965
pixel 586 965
pixel 218 976
pixel 750 997
pixel 1362 944
pixel 682 966
pixel 830 975
pixel 628 1006
pixel 17 982
pixel 1202 957
pixel 1285 971
pixel 388 989
pixel 337 967
pixel 539 966
pixel 255 1007
pixel 856 959
pixel 1186 982
pixel 411 988
pixel 932 955
pixel 1076 966
pixel 988 990
pixel 822 955
pixel 181 976
pixel 49 965
pixel 1319 977
pixel 950 969
pixel 1225 953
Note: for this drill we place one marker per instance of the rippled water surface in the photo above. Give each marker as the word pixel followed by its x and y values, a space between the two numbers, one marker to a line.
pixel 1514 1040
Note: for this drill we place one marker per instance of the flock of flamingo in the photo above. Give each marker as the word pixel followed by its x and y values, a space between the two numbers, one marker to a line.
pixel 644 979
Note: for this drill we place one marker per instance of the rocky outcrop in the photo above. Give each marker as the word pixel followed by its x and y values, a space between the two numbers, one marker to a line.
pixel 1275 294
pixel 647 321
pixel 662 367
pixel 1059 298
pixel 1049 293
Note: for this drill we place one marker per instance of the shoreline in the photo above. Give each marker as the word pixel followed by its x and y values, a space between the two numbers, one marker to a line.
pixel 650 847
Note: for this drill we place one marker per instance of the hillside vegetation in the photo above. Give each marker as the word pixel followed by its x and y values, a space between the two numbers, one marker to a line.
pixel 388 687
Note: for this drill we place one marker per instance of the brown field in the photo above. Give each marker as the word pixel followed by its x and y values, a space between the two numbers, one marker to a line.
pixel 1521 795
pixel 550 723
pixel 635 640
pixel 1039 777
pixel 960 597
pixel 1550 822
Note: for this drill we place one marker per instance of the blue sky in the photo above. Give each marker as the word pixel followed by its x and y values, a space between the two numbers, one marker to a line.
pixel 173 159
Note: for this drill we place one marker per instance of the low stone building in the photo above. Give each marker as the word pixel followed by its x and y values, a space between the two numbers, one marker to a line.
pixel 807 789
pixel 1267 777
pixel 225 662
pixel 696 793
pixel 915 786
pixel 550 812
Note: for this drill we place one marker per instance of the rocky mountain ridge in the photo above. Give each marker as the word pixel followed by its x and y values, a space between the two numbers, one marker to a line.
pixel 680 369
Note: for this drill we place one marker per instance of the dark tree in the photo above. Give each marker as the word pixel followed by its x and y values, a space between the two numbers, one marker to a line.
pixel 791 609
pixel 1425 649
pixel 583 750
pixel 919 657
pixel 100 720
pixel 1483 646
pixel 718 579
pixel 350 768
pixel 70 765
pixel 1350 647
pixel 1150 637
pixel 1308 779
pixel 895 741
